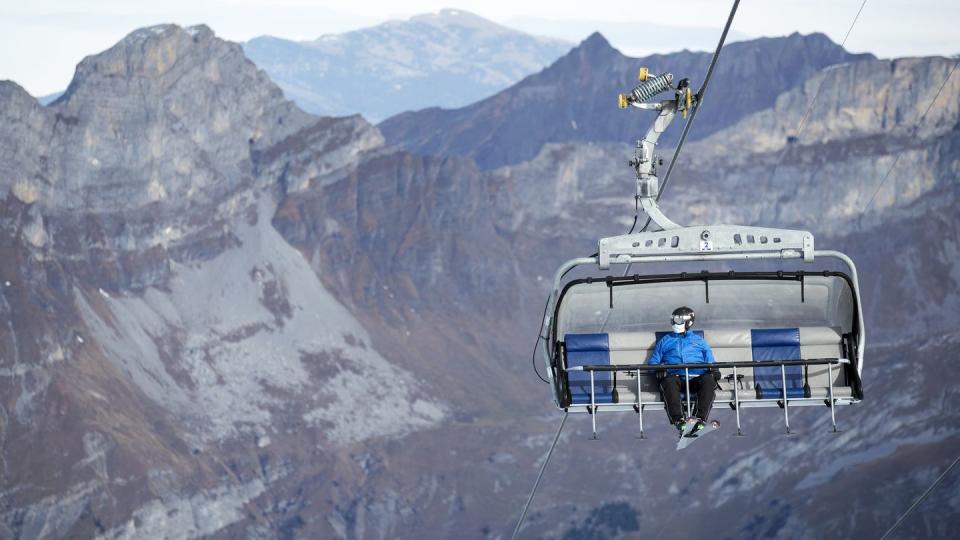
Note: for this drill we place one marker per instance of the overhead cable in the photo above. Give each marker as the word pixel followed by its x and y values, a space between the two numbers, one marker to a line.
pixel 699 101
pixel 920 500
pixel 816 94
pixel 536 484
pixel 915 127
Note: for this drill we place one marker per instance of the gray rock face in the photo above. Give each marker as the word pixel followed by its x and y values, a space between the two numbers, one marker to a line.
pixel 574 100
pixel 447 59
pixel 168 121
pixel 221 316
pixel 146 293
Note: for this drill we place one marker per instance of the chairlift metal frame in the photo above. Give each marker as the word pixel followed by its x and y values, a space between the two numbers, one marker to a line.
pixel 674 243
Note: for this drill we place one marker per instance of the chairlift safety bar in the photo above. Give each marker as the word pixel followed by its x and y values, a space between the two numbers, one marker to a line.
pixel 593 408
pixel 763 363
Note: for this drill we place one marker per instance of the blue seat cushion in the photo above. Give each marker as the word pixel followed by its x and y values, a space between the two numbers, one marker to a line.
pixel 777 344
pixel 589 350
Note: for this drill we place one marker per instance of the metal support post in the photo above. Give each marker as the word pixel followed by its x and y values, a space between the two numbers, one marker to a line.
pixel 640 403
pixel 593 407
pixel 686 375
pixel 786 415
pixel 833 416
pixel 736 400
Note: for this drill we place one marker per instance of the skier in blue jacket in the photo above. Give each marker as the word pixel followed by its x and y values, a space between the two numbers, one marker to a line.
pixel 682 347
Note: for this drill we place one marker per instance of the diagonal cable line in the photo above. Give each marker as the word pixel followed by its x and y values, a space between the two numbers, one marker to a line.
pixel 693 115
pixel 920 500
pixel 536 484
pixel 915 127
pixel 816 94
pixel 700 93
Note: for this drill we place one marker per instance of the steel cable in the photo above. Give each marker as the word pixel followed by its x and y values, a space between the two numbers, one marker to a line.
pixel 696 108
pixel 816 94
pixel 536 484
pixel 920 500
pixel 915 127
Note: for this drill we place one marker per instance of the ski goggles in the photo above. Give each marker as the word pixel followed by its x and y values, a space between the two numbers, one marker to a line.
pixel 679 319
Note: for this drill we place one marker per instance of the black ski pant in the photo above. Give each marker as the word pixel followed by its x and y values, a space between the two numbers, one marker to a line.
pixel 702 386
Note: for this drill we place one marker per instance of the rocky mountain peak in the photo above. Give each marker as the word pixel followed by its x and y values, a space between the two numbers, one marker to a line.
pixel 814 39
pixel 136 242
pixel 590 53
pixel 166 135
pixel 162 91
pixel 148 54
pixel 596 41
pixel 13 92
pixel 456 18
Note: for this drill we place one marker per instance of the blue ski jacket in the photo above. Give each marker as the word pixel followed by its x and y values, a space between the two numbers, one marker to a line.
pixel 685 348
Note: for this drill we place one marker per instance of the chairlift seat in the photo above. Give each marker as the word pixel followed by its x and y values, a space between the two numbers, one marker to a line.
pixel 589 350
pixel 728 345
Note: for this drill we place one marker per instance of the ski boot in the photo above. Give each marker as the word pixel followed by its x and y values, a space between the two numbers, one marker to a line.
pixel 696 425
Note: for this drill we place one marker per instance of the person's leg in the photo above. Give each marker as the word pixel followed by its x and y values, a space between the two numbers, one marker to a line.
pixel 670 387
pixel 705 387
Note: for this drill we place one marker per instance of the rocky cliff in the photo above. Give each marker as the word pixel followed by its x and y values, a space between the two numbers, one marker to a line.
pixel 155 322
pixel 223 317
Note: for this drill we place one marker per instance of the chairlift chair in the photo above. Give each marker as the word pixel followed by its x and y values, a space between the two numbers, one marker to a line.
pixel 780 338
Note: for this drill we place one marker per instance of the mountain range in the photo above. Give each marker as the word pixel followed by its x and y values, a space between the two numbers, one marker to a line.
pixel 630 37
pixel 222 316
pixel 447 59
pixel 574 100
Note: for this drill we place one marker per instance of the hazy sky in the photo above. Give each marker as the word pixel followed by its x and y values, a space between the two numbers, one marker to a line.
pixel 42 40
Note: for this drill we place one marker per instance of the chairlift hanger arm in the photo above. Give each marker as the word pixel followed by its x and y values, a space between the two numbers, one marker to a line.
pixel 648 186
pixel 645 162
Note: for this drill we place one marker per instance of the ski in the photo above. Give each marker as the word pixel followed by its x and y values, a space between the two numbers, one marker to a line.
pixel 688 438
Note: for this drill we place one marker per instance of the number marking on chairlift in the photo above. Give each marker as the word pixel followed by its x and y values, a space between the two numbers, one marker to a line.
pixel 706 245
